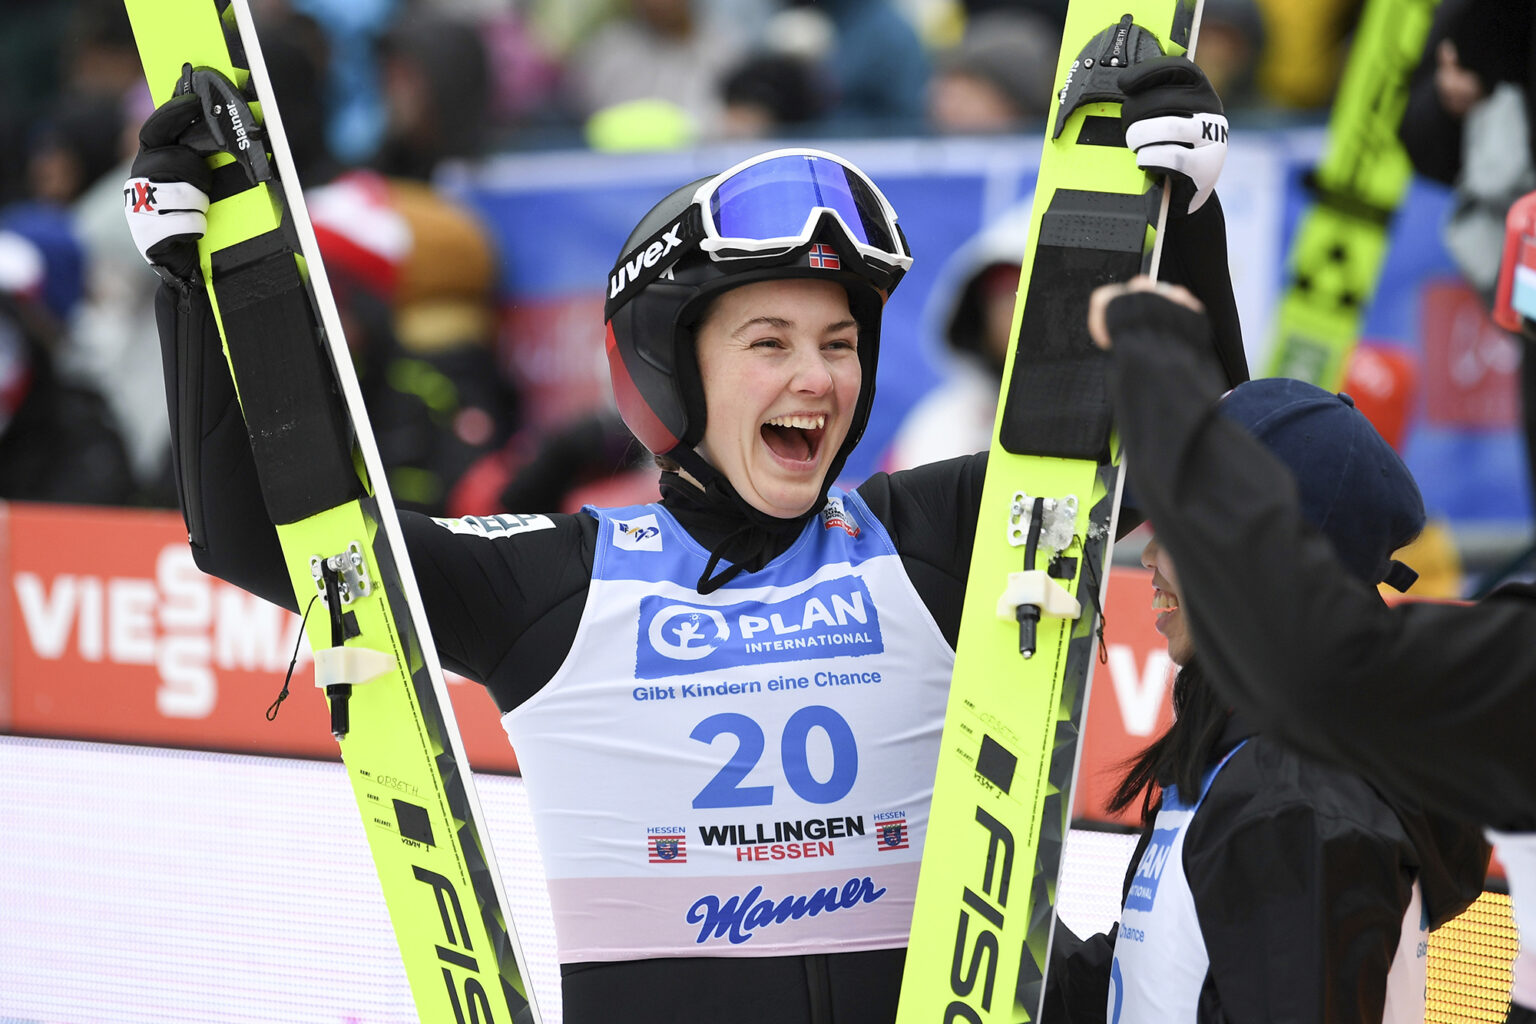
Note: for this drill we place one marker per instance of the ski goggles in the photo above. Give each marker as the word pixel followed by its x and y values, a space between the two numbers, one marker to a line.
pixel 774 203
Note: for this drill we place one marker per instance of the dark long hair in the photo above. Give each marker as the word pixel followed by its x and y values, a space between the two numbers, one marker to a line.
pixel 1179 755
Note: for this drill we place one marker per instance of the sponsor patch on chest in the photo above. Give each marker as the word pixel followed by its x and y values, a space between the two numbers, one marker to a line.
pixel 835 517
pixel 835 619
pixel 642 534
pixel 1149 873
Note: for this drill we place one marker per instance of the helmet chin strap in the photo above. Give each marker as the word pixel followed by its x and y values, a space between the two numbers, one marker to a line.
pixel 758 530
pixel 715 484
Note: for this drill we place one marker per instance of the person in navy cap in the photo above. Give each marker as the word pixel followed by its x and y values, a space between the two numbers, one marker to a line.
pixel 1429 702
pixel 1248 846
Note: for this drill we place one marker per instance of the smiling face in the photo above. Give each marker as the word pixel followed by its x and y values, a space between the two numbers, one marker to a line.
pixel 780 365
pixel 1165 602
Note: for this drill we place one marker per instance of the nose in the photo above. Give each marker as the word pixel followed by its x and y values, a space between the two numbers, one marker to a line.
pixel 1150 552
pixel 812 375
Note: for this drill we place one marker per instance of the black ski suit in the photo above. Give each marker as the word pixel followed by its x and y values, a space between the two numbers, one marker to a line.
pixel 505 614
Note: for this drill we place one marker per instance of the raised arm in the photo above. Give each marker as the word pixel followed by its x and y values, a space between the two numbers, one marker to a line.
pixel 502 595
pixel 1430 700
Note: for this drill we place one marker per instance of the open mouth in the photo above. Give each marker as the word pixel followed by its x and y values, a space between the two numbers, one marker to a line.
pixel 1164 605
pixel 795 438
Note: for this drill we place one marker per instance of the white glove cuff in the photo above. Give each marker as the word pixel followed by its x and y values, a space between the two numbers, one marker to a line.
pixel 157 210
pixel 1194 147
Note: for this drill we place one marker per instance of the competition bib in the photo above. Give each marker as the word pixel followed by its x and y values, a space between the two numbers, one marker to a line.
pixel 744 773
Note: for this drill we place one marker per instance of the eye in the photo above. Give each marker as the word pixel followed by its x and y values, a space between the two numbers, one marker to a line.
pixel 843 344
pixel 767 343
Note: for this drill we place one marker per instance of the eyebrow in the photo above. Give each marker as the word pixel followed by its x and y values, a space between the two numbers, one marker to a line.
pixel 779 323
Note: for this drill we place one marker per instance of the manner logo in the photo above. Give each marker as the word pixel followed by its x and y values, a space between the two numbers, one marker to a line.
pixel 830 620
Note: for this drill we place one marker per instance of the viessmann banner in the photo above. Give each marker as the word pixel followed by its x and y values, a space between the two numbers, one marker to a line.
pixel 113 633
pixel 110 632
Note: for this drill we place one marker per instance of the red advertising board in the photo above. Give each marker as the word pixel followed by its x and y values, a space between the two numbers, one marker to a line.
pixel 1471 364
pixel 1130 703
pixel 112 633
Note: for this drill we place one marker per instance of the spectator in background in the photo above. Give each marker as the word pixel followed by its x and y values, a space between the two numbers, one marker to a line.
pixel 1305 47
pixel 413 272
pixel 414 276
pixel 1231 42
pixel 1468 124
pixel 525 75
pixel 877 65
pixel 436 83
pixel 656 52
pixel 76 162
pixel 351 96
pixel 771 94
pixel 1053 11
pixel 61 64
pixel 108 342
pixel 57 440
pixel 591 460
pixel 999 77
pixel 31 76
pixel 47 228
pixel 968 316
pixel 78 141
pixel 97 54
pixel 112 345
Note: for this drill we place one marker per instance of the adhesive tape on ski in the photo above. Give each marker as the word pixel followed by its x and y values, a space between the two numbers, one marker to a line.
pixel 335 665
pixel 1039 589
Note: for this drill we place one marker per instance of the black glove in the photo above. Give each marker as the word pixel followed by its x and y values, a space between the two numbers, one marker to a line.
pixel 1173 120
pixel 166 196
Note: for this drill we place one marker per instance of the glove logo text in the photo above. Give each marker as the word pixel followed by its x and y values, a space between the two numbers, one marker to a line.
pixel 142 196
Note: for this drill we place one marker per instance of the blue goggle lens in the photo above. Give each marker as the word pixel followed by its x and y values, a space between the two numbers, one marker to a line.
pixel 773 199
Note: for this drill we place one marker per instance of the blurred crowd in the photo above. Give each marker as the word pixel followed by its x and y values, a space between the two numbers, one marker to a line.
pixel 377 94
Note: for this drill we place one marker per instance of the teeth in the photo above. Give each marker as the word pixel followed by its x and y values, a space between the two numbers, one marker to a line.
pixel 800 422
pixel 1162 599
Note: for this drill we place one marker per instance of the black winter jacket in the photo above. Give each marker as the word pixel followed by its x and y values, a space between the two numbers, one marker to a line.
pixel 1301 874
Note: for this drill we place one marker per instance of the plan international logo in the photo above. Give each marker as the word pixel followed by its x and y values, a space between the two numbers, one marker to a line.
pixel 1143 890
pixel 836 619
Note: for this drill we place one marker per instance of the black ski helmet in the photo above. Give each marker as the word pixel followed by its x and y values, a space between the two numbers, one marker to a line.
pixel 674 264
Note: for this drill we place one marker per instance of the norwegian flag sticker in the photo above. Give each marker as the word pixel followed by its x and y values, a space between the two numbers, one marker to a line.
pixel 824 257
pixel 668 849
